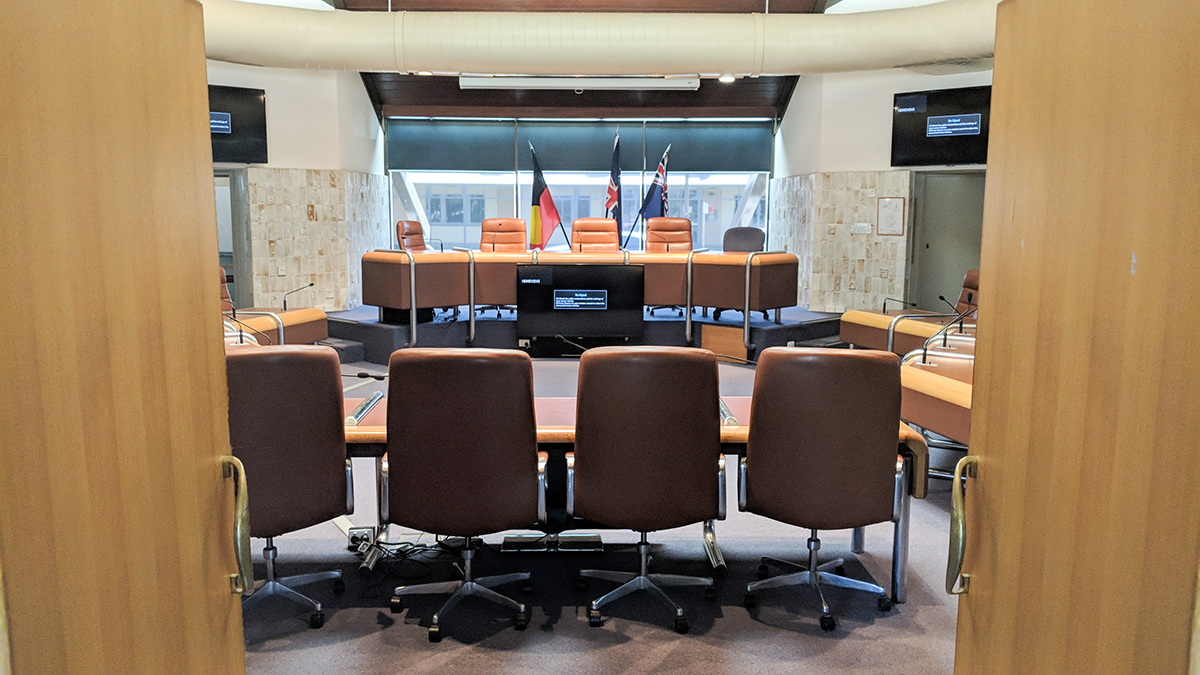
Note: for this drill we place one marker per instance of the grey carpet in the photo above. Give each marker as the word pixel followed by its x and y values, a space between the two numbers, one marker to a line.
pixel 780 636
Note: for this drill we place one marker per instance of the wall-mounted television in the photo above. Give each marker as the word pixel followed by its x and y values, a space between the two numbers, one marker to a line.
pixel 580 300
pixel 948 126
pixel 237 118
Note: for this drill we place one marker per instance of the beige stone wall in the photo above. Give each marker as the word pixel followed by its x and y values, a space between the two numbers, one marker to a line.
pixel 812 216
pixel 313 226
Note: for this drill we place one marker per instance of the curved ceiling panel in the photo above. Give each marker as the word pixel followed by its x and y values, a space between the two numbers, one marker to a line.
pixel 544 43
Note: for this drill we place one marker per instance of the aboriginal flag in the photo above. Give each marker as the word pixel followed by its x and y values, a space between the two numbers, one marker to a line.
pixel 543 219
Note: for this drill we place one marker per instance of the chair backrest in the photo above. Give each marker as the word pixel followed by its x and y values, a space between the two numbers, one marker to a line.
pixel 647 437
pixel 595 234
pixel 504 234
pixel 410 235
pixel 668 234
pixel 743 240
pixel 823 436
pixel 969 298
pixel 286 425
pixel 226 299
pixel 462 442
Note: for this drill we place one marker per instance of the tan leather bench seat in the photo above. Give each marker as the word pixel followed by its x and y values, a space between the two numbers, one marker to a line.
pixel 719 280
pixel 937 401
pixel 441 279
pixel 869 330
pixel 300 326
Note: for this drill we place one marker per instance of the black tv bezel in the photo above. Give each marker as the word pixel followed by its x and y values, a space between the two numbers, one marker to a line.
pixel 954 150
pixel 534 321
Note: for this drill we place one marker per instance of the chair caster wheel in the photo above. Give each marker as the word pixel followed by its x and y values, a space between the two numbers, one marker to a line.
pixel 594 618
pixel 527 587
pixel 435 634
pixel 581 583
pixel 763 571
pixel 522 620
pixel 316 620
pixel 750 601
pixel 339 586
pixel 828 623
pixel 720 571
pixel 885 603
pixel 396 605
pixel 681 625
pixel 710 593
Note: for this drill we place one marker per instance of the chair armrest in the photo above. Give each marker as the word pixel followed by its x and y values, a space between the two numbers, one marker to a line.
pixel 349 487
pixel 914 449
pixel 571 484
pixel 543 458
pixel 722 492
pixel 742 483
pixel 381 482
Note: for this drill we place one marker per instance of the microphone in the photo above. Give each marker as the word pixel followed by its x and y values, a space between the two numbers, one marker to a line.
pixel 308 285
pixel 366 376
pixel 902 303
pixel 953 307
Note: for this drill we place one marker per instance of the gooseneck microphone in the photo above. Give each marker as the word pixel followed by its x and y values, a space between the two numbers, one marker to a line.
pixel 285 295
pixel 953 307
pixel 366 376
pixel 902 303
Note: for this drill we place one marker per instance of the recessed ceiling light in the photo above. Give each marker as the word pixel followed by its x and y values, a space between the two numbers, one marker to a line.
pixel 726 78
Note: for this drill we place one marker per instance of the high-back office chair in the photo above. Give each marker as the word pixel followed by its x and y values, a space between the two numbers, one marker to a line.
pixel 969 297
pixel 410 236
pixel 462 459
pixel 668 235
pixel 821 454
pixel 590 235
pixel 647 454
pixel 504 235
pixel 742 240
pixel 286 427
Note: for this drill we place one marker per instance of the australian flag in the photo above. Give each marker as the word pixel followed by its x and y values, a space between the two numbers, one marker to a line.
pixel 655 203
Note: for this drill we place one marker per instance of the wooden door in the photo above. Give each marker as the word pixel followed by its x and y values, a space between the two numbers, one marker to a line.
pixel 115 520
pixel 1083 526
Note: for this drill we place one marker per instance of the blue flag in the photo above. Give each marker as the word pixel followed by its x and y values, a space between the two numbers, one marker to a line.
pixel 612 204
pixel 655 204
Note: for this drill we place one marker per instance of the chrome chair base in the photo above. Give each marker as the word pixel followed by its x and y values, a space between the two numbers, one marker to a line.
pixel 467 586
pixel 814 575
pixel 711 549
pixel 644 581
pixel 283 587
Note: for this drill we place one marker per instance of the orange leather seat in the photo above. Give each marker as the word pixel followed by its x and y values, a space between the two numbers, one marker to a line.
pixel 595 234
pixel 668 235
pixel 505 235
pixel 411 236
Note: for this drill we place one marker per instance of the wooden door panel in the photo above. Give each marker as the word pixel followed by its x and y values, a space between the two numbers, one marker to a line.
pixel 115 521
pixel 1084 522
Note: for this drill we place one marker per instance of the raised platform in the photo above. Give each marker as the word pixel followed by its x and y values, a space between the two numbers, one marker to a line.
pixel 664 327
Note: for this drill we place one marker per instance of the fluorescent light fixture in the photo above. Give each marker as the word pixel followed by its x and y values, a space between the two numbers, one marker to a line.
pixel 580 83
pixel 726 78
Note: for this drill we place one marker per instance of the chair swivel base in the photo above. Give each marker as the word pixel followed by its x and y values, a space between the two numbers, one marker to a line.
pixel 467 586
pixel 643 581
pixel 282 587
pixel 814 575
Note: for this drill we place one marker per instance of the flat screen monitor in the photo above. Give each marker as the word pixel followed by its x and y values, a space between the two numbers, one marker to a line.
pixel 237 118
pixel 580 300
pixel 949 126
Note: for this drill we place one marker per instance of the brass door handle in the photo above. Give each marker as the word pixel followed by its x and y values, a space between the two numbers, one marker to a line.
pixel 243 581
pixel 967 466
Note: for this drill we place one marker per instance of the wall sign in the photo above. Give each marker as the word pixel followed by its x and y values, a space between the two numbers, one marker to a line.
pixel 891 216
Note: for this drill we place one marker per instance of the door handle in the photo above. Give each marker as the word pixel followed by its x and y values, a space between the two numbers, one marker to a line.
pixel 958 583
pixel 243 581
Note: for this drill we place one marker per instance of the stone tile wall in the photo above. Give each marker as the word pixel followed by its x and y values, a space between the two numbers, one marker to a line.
pixel 313 226
pixel 812 216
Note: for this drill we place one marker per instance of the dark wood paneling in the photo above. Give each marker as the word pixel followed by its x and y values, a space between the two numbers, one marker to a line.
pixel 395 94
pixel 686 6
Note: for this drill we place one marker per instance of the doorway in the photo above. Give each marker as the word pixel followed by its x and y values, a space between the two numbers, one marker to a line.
pixel 947 227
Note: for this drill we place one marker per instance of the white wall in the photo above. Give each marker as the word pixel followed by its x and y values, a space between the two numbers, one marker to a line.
pixel 843 121
pixel 316 119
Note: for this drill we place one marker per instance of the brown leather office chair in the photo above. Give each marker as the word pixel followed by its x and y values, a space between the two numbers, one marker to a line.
pixel 410 236
pixel 668 235
pixel 506 235
pixel 647 455
pixel 466 470
pixel 821 454
pixel 589 235
pixel 286 427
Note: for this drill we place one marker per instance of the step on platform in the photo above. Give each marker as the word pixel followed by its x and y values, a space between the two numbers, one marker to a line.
pixel 348 351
